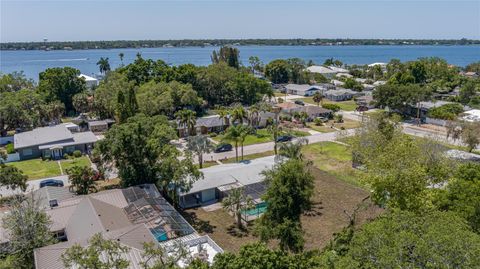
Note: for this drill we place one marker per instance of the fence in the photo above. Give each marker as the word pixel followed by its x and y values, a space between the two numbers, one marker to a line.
pixel 14 157
pixel 436 121
pixel 6 139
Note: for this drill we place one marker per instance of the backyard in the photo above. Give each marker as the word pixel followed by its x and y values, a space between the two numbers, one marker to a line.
pixel 327 126
pixel 37 168
pixel 344 105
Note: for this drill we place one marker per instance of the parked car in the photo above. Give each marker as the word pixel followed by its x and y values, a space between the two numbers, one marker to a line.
pixel 299 102
pixel 51 183
pixel 223 148
pixel 284 138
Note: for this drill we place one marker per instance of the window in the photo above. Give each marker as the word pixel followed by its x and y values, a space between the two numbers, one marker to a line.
pixel 46 153
pixel 27 152
pixel 70 149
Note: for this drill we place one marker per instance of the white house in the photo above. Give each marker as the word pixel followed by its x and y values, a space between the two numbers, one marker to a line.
pixel 325 71
pixel 304 89
pixel 89 81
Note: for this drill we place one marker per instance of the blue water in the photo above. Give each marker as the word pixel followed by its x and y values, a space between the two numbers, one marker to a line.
pixel 260 208
pixel 33 62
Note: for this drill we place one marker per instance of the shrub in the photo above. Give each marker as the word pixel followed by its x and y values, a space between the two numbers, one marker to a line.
pixel 66 156
pixel 9 148
pixel 318 122
pixel 446 112
pixel 213 134
pixel 332 107
pixel 280 100
pixel 338 118
pixel 77 154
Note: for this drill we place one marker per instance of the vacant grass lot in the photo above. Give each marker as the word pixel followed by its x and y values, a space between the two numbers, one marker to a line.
pixel 37 168
pixel 335 159
pixel 331 197
pixel 262 136
pixel 326 128
pixel 344 105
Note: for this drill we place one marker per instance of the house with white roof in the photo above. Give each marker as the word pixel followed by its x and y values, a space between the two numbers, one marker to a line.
pixel 53 141
pixel 319 69
pixel 304 89
pixel 90 82
pixel 218 180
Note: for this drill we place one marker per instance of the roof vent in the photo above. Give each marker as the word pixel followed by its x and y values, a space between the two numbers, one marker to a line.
pixel 53 203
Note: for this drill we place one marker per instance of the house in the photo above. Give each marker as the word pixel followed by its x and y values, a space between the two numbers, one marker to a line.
pixel 337 83
pixel 338 70
pixel 52 142
pixel 472 115
pixel 205 125
pixel 365 102
pixel 471 74
pixel 340 94
pixel 382 65
pixel 218 180
pixel 100 126
pixel 264 116
pixel 131 216
pixel 288 107
pixel 303 89
pixel 344 75
pixel 325 71
pixel 314 112
pixel 90 82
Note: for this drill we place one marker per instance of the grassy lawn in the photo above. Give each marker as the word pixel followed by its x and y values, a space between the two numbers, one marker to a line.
pixel 326 128
pixel 82 161
pixel 262 136
pixel 331 197
pixel 335 159
pixel 344 105
pixel 249 157
pixel 37 168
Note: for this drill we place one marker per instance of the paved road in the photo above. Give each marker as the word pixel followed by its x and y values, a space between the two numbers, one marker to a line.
pixel 264 147
pixel 31 186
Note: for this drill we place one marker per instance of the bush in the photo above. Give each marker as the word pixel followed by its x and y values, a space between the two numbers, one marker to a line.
pixel 77 154
pixel 9 148
pixel 66 156
pixel 280 100
pixel 318 122
pixel 213 134
pixel 332 107
pixel 446 112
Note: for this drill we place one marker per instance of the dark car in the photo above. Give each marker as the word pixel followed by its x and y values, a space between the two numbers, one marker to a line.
pixel 51 183
pixel 223 148
pixel 284 138
pixel 299 102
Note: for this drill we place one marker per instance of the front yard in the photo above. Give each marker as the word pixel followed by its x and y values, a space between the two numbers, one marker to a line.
pixel 344 105
pixel 327 126
pixel 37 168
pixel 262 136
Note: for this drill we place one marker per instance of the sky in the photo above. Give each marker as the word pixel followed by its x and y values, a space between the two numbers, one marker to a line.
pixel 72 20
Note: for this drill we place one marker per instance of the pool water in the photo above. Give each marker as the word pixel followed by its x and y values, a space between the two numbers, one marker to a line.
pixel 260 208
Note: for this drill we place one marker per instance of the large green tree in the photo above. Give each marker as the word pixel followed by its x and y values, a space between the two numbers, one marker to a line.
pixel 82 179
pixel 11 177
pixel 408 240
pixel 141 151
pixel 29 228
pixel 228 55
pixel 277 71
pixel 61 84
pixel 15 81
pixel 289 193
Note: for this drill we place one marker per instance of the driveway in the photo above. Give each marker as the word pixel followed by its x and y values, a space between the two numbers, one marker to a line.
pixel 31 186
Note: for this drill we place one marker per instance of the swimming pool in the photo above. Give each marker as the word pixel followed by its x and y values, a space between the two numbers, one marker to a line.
pixel 259 209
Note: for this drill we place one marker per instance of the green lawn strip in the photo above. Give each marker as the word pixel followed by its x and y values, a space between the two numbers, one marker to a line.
pixel 334 159
pixel 36 168
pixel 262 136
pixel 344 105
pixel 248 157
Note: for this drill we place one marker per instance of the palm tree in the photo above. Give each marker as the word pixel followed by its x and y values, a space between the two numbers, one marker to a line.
pixel 199 144
pixel 293 150
pixel 121 55
pixel 223 114
pixel 103 65
pixel 238 114
pixel 187 119
pixel 275 130
pixel 244 132
pixel 317 98
pixel 253 115
pixel 234 135
pixel 237 201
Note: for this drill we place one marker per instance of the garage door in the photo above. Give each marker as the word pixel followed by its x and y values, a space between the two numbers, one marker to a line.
pixel 208 195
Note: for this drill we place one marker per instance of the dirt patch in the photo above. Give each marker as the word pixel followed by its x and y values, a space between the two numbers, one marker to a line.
pixel 333 197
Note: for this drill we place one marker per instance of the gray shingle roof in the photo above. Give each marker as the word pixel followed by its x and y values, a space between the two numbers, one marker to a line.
pixel 48 193
pixel 43 135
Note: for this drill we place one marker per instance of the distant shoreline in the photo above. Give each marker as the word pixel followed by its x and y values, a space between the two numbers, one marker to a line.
pixel 126 44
